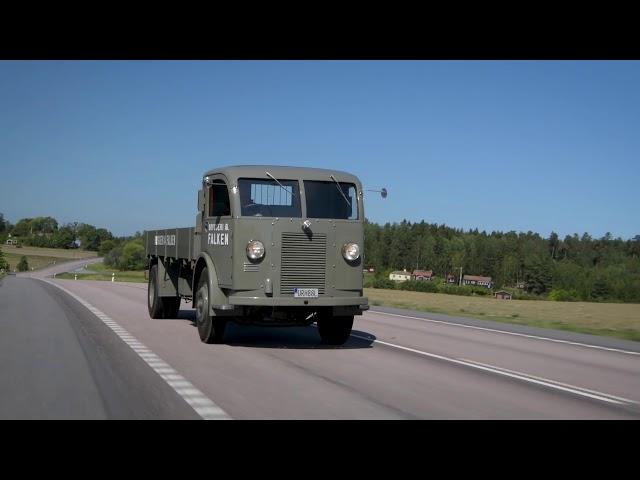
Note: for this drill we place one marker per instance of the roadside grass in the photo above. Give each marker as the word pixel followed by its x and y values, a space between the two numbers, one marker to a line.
pixel 105 273
pixel 42 257
pixel 620 320
pixel 71 253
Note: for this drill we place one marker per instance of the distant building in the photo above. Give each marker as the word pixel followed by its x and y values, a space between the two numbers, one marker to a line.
pixel 400 276
pixel 520 285
pixel 503 295
pixel 476 280
pixel 422 275
pixel 11 240
pixel 451 279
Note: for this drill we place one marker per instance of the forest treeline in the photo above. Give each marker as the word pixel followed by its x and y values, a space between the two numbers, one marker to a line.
pixel 570 268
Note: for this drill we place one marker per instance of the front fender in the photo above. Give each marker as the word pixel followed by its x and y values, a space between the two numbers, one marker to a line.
pixel 217 299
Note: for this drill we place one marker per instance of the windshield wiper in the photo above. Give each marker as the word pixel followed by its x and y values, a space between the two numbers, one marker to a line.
pixel 281 186
pixel 340 190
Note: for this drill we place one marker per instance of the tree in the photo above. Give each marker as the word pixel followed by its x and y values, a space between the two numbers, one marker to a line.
pixel 600 289
pixel 554 242
pixel 23 264
pixel 105 247
pixel 4 265
pixel 62 238
pixel 539 276
pixel 43 225
pixel 22 228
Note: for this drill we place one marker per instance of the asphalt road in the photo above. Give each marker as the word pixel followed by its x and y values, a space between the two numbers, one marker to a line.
pixel 61 360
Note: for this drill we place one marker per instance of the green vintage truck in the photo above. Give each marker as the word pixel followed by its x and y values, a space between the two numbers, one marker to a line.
pixel 272 245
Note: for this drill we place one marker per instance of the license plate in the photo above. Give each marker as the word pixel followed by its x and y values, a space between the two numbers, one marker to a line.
pixel 305 292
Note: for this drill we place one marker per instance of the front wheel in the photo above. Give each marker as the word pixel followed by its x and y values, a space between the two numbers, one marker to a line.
pixel 335 330
pixel 211 329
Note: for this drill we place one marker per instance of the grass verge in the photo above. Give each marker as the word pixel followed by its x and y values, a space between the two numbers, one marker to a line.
pixel 100 271
pixel 42 257
pixel 620 320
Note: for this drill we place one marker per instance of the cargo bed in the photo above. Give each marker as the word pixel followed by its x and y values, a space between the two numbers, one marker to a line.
pixel 178 243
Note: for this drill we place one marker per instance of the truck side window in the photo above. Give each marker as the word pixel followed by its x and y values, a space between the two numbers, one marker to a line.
pixel 219 205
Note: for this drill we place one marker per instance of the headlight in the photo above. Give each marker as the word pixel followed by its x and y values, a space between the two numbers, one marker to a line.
pixel 255 250
pixel 351 251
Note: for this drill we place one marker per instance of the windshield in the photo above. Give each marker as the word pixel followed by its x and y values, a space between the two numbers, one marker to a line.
pixel 325 200
pixel 265 198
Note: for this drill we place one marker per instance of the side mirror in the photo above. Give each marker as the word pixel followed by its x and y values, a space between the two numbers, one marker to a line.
pixel 383 192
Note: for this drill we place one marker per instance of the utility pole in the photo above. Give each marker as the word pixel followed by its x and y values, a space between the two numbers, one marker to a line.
pixel 460 279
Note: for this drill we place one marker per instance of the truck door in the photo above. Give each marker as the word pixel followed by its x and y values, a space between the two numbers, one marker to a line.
pixel 217 231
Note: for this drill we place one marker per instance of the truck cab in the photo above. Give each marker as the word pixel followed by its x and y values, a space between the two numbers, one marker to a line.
pixel 272 245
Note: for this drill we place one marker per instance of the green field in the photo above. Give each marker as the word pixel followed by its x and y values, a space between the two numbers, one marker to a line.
pixel 621 320
pixel 42 257
pixel 100 271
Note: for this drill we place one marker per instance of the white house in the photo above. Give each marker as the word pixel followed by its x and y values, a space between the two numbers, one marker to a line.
pixel 477 280
pixel 12 241
pixel 400 276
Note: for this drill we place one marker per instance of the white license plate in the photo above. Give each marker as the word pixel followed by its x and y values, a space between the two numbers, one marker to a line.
pixel 305 292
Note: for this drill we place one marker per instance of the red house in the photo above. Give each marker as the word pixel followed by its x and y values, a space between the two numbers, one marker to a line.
pixel 422 275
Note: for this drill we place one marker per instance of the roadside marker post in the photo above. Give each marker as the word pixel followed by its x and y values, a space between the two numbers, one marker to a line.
pixel 113 276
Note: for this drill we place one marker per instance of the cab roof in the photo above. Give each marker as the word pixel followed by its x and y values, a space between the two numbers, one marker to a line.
pixel 233 172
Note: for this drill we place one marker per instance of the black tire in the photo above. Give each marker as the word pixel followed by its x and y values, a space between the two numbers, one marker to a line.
pixel 210 328
pixel 154 302
pixel 335 330
pixel 171 306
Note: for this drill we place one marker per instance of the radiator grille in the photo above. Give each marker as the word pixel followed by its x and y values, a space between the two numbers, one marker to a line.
pixel 303 262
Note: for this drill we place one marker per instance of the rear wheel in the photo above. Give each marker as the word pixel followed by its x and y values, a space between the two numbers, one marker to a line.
pixel 335 330
pixel 210 328
pixel 154 302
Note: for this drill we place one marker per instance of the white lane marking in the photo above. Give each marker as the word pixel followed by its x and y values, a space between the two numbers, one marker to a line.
pixel 622 399
pixel 489 368
pixel 507 333
pixel 197 400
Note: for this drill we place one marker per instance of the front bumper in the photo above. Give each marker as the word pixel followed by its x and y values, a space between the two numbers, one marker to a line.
pixel 340 306
pixel 361 302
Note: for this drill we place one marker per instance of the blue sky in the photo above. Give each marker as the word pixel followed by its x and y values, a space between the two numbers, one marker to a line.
pixel 526 145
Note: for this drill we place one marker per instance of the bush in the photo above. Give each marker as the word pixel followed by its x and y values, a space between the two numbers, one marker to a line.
pixel 562 295
pixel 23 264
pixel 4 265
pixel 112 259
pixel 382 282
pixel 465 290
pixel 129 256
pixel 419 286
pixel 133 257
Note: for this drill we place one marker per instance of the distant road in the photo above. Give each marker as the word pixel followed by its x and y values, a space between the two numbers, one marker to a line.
pixel 62 360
